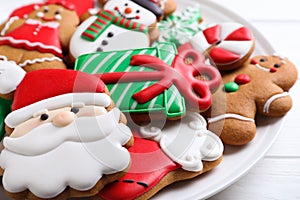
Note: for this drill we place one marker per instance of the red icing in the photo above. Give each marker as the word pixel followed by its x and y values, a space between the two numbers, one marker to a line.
pixel 273 70
pixel 212 34
pixel 35 35
pixel 242 79
pixel 241 34
pixel 149 166
pixel 253 62
pixel 182 75
pixel 48 83
pixel 222 56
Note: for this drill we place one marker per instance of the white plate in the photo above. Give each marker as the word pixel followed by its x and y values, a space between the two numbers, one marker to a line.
pixel 237 160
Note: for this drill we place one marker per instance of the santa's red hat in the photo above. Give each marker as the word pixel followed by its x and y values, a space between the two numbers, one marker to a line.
pixel 50 89
pixel 79 6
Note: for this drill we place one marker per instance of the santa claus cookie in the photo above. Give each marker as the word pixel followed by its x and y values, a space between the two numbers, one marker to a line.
pixel 106 31
pixel 228 45
pixel 154 82
pixel 66 138
pixel 37 36
pixel 259 86
pixel 147 12
pixel 181 150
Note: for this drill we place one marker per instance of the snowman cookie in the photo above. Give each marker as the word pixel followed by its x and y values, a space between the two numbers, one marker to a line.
pixel 147 12
pixel 106 31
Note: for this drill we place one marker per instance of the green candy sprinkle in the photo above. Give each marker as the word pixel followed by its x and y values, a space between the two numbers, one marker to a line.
pixel 231 87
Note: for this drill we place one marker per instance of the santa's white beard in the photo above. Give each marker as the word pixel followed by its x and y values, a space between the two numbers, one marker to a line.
pixel 73 163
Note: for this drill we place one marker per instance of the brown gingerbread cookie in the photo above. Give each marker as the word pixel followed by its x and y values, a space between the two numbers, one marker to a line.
pixel 66 137
pixel 260 86
pixel 37 36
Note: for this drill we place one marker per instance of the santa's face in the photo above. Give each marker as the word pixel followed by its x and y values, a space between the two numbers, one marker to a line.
pixel 59 117
pixel 131 11
pixel 65 147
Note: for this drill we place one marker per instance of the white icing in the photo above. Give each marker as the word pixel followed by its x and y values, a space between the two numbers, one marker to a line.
pixel 272 99
pixel 262 68
pixel 77 164
pixel 8 24
pixel 40 60
pixel 146 17
pixel 187 142
pixel 199 42
pixel 227 28
pixel 30 44
pixel 10 76
pixel 239 47
pixel 82 129
pixel 229 115
pixel 18 116
pixel 123 39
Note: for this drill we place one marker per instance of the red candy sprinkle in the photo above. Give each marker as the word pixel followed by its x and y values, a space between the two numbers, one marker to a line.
pixel 273 70
pixel 242 79
pixel 254 62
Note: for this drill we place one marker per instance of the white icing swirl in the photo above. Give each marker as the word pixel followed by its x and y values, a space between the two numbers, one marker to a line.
pixel 272 99
pixel 229 115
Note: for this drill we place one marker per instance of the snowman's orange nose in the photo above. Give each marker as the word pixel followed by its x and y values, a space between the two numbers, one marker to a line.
pixel 128 10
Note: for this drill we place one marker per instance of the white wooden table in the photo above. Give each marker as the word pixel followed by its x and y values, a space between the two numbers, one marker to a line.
pixel 277 175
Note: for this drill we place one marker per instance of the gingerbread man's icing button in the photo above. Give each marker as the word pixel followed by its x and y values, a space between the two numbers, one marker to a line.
pixel 242 79
pixel 231 87
pixel 228 45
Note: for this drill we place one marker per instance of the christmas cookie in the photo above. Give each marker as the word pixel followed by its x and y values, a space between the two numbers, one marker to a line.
pixel 37 36
pixel 66 138
pixel 228 45
pixel 180 27
pixel 154 80
pixel 183 150
pixel 260 86
pixel 147 12
pixel 106 31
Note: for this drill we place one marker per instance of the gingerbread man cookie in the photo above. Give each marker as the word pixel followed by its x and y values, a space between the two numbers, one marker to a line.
pixel 37 36
pixel 228 45
pixel 260 86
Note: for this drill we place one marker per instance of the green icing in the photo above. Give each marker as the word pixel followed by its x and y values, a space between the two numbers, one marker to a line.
pixel 179 28
pixel 171 101
pixel 5 109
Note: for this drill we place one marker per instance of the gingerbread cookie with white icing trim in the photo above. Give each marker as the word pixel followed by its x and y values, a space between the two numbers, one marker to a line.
pixel 259 86
pixel 228 45
pixel 37 36
pixel 67 139
pixel 180 150
pixel 147 12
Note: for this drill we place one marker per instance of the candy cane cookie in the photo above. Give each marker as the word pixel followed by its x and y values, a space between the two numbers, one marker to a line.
pixel 228 45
